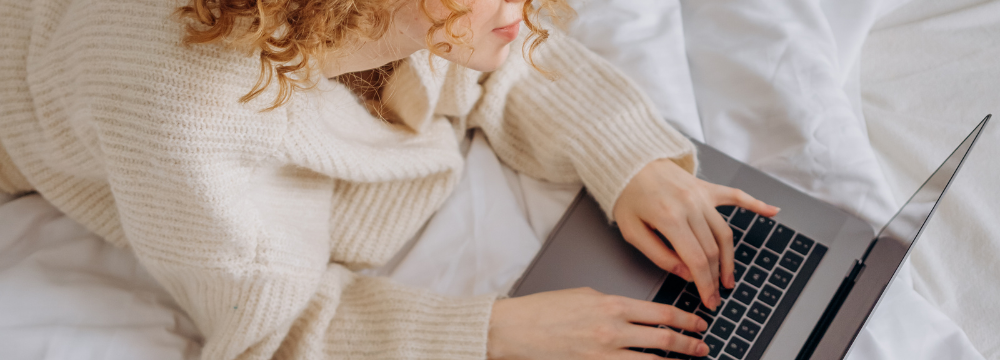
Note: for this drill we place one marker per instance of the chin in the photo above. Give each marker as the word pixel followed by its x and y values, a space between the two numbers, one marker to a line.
pixel 487 62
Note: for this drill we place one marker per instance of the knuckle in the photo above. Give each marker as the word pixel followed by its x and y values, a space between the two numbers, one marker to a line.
pixel 668 338
pixel 727 232
pixel 693 320
pixel 691 346
pixel 663 262
pixel 687 194
pixel 700 263
pixel 613 305
pixel 604 334
pixel 666 210
pixel 744 197
pixel 670 314
pixel 712 251
pixel 736 194
pixel 585 291
pixel 672 217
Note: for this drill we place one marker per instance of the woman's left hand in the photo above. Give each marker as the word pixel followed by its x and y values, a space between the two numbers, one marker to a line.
pixel 665 197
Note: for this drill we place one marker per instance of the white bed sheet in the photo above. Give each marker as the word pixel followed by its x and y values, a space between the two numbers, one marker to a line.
pixel 67 295
pixel 930 74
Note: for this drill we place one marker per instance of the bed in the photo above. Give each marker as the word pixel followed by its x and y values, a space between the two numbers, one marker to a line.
pixel 853 102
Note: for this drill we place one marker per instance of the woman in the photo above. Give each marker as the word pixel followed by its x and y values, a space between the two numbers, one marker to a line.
pixel 254 186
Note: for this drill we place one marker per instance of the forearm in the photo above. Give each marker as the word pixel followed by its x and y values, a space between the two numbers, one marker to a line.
pixel 591 124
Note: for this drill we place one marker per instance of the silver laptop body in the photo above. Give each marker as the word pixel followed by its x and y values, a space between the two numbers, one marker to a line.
pixel 811 275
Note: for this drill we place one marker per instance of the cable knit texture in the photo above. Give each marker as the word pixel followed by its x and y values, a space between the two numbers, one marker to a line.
pixel 255 221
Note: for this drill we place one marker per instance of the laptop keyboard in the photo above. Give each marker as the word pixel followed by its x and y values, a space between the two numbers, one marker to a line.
pixel 773 263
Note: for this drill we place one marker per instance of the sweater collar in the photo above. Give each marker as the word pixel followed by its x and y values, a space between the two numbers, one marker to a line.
pixel 414 88
pixel 424 85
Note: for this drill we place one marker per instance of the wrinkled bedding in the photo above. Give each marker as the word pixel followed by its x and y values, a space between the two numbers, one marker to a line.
pixel 853 103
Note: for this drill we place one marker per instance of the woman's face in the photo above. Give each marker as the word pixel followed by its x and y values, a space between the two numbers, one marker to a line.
pixel 494 25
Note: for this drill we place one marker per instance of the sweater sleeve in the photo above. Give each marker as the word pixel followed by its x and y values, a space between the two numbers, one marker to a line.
pixel 590 124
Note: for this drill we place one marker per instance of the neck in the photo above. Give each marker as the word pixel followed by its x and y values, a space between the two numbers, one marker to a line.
pixel 370 55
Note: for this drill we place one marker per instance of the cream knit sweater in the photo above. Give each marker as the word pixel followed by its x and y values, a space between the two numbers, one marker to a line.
pixel 254 221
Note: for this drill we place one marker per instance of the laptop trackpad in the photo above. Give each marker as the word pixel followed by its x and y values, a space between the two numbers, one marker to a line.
pixel 586 252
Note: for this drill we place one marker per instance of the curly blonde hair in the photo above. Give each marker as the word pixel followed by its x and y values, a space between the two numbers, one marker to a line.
pixel 290 33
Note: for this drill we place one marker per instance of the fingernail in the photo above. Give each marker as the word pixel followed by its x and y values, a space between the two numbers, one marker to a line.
pixel 730 281
pixel 703 349
pixel 776 208
pixel 717 298
pixel 702 325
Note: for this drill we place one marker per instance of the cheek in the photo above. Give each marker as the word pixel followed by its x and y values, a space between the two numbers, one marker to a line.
pixel 483 12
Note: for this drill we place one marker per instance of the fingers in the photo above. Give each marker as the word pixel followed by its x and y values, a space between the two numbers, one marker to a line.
pixel 642 237
pixel 665 339
pixel 730 196
pixel 691 252
pixel 624 354
pixel 724 237
pixel 709 244
pixel 650 313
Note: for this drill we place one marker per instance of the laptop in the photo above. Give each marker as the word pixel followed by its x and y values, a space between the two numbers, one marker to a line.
pixel 807 280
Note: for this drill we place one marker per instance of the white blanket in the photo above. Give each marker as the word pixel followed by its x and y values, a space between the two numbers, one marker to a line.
pixel 930 73
pixel 914 86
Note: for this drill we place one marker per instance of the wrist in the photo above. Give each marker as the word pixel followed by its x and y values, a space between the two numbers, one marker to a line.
pixel 494 343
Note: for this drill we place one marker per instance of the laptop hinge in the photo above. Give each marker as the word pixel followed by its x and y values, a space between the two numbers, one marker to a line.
pixel 831 311
pixel 871 246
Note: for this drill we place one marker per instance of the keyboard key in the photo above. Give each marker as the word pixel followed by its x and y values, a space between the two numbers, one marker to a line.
pixel 737 234
pixel 723 328
pixel 734 311
pixel 724 293
pixel 692 288
pixel 747 330
pixel 679 356
pixel 670 290
pixel 758 232
pixel 756 276
pixel 779 239
pixel 791 261
pixel 725 357
pixel 656 352
pixel 744 293
pixel 701 307
pixel 745 253
pixel 714 345
pixel 766 259
pixel 737 348
pixel 759 312
pixel 738 270
pixel 687 302
pixel 725 210
pixel 769 295
pixel 802 244
pixel 692 334
pixel 704 315
pixel 742 218
pixel 780 278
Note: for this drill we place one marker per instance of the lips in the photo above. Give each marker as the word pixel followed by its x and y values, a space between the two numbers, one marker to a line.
pixel 509 32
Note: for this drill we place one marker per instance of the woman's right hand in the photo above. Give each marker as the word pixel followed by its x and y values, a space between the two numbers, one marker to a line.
pixel 584 324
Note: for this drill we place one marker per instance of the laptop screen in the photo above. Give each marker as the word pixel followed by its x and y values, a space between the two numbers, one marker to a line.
pixel 884 257
pixel 906 225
